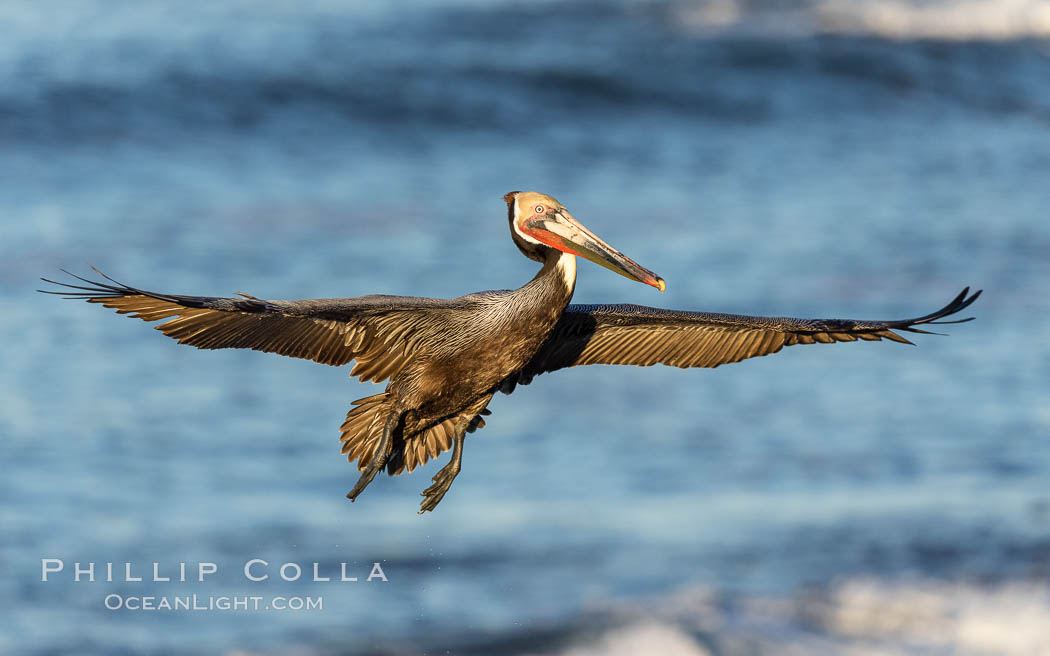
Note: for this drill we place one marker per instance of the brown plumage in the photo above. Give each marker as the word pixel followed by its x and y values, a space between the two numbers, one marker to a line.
pixel 446 358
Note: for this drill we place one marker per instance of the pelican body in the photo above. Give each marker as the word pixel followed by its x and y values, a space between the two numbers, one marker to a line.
pixel 445 358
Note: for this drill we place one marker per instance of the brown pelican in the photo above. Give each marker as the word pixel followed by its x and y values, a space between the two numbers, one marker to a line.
pixel 446 358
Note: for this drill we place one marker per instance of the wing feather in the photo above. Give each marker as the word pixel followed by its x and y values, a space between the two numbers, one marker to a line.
pixel 643 336
pixel 381 333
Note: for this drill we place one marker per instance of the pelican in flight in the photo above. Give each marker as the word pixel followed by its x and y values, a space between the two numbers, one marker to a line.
pixel 445 359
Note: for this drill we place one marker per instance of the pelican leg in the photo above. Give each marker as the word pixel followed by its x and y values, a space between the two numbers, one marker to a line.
pixel 443 479
pixel 379 456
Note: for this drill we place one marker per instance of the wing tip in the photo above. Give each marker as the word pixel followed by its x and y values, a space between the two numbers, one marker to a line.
pixel 962 300
pixel 93 289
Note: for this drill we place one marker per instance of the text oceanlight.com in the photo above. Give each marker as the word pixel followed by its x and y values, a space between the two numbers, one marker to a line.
pixel 211 602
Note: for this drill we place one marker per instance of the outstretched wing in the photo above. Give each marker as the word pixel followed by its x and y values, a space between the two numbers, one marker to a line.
pixel 380 332
pixel 644 336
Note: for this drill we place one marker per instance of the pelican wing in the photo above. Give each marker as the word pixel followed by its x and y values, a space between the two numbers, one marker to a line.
pixel 380 332
pixel 644 336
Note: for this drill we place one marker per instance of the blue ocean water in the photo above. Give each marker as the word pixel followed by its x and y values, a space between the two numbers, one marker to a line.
pixel 861 160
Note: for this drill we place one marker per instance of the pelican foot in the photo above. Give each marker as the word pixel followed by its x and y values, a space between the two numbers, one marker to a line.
pixel 379 457
pixel 442 482
pixel 366 477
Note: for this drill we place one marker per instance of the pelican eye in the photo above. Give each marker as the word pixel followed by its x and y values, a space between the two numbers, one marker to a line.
pixel 540 209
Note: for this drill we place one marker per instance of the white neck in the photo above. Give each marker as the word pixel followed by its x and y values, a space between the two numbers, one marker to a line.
pixel 566 266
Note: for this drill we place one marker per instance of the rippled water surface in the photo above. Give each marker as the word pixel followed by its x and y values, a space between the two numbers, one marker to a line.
pixel 861 160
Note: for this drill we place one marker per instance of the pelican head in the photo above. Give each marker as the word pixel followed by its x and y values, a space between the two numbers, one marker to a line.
pixel 539 223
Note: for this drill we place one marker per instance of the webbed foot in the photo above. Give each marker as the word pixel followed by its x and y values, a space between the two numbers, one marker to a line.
pixel 379 457
pixel 443 479
pixel 442 482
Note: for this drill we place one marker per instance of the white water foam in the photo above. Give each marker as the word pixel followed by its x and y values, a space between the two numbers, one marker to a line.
pixel 951 20
pixel 648 638
pixel 958 20
pixel 1011 619
pixel 860 617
